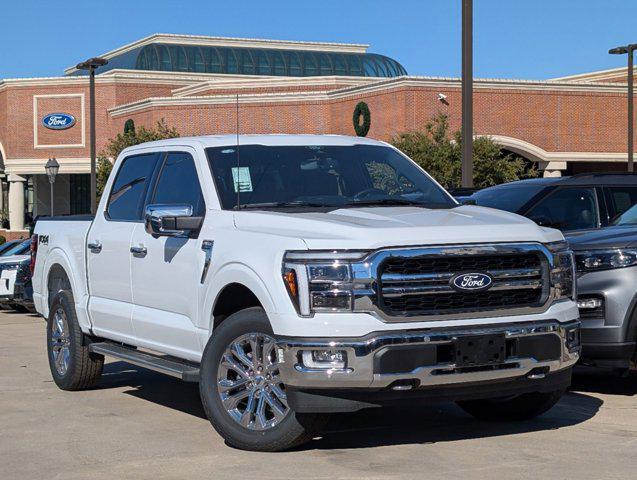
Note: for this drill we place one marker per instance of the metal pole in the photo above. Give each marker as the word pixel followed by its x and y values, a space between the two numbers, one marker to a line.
pixel 467 93
pixel 51 197
pixel 92 140
pixel 630 110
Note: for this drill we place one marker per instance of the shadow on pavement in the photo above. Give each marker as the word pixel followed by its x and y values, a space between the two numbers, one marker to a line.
pixel 366 428
pixel 593 380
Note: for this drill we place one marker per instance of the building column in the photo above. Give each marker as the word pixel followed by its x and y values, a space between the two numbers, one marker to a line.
pixel 552 169
pixel 16 202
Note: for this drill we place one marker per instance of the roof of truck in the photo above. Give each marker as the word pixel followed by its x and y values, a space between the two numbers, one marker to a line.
pixel 271 139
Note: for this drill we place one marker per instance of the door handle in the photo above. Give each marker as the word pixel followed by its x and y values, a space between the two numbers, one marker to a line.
pixel 95 246
pixel 139 251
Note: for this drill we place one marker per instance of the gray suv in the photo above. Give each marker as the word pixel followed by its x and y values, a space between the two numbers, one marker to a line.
pixel 606 262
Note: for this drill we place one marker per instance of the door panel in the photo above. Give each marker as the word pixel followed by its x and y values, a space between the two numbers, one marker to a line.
pixel 108 250
pixel 165 278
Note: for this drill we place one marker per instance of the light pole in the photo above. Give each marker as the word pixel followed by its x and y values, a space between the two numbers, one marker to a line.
pixel 621 51
pixel 91 64
pixel 51 168
pixel 467 93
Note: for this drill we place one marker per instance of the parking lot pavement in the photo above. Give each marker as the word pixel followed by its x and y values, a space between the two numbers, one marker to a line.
pixel 139 424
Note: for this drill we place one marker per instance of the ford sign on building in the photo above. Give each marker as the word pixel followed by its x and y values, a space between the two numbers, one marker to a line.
pixel 58 121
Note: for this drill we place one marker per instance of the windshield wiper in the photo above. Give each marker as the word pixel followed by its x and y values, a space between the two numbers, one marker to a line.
pixel 246 206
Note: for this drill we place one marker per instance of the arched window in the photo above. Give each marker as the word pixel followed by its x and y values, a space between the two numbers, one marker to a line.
pixel 264 67
pixel 310 67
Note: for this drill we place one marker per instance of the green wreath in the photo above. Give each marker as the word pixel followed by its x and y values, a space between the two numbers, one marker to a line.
pixel 361 110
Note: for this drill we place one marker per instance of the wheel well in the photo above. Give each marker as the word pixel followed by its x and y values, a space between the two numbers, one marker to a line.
pixel 58 280
pixel 233 297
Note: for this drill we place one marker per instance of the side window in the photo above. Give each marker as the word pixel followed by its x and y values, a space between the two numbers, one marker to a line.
pixel 621 198
pixel 129 189
pixel 570 208
pixel 179 183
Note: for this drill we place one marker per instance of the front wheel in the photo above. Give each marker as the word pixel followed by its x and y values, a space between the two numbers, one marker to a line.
pixel 520 407
pixel 242 392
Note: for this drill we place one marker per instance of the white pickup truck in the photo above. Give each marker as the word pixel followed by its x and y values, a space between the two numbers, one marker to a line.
pixel 294 276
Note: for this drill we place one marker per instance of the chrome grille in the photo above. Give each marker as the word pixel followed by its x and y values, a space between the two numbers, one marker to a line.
pixel 421 285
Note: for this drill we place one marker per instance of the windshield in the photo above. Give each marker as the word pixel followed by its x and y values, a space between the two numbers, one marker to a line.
pixel 629 217
pixel 320 176
pixel 21 248
pixel 510 198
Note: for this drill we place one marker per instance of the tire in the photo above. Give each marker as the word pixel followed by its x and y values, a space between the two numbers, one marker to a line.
pixel 73 367
pixel 521 407
pixel 283 433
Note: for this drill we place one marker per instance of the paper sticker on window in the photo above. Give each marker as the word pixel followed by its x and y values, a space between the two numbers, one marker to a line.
pixel 241 178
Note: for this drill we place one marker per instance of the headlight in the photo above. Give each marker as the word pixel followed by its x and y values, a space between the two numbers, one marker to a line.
pixel 562 270
pixel 605 259
pixel 320 281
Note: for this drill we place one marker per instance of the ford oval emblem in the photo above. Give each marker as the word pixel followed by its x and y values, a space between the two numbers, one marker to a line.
pixel 58 121
pixel 471 282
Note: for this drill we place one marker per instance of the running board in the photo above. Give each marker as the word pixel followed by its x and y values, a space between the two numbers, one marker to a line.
pixel 173 367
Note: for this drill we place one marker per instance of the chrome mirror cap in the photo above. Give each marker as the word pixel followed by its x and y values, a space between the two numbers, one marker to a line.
pixel 162 220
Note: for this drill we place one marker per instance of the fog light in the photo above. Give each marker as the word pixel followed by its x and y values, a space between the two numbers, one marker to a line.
pixel 324 359
pixel 572 338
pixel 589 303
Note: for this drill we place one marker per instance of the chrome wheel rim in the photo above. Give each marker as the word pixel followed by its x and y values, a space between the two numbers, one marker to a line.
pixel 249 384
pixel 60 342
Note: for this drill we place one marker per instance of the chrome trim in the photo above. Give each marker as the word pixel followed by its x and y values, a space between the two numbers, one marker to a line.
pixel 359 371
pixel 206 246
pixel 365 279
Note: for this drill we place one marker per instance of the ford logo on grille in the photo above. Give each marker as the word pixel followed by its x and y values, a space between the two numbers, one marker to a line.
pixel 471 282
pixel 58 121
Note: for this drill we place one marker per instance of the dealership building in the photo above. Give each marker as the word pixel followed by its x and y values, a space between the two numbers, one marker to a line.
pixel 567 125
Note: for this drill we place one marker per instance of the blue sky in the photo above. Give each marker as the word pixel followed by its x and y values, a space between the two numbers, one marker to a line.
pixel 533 39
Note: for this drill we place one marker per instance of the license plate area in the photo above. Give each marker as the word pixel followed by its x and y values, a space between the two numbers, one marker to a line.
pixel 480 350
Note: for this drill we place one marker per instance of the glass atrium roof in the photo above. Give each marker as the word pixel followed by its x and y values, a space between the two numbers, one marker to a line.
pixel 254 61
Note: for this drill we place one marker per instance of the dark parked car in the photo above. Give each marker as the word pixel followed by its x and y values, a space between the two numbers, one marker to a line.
pixel 606 262
pixel 580 202
pixel 6 246
pixel 22 288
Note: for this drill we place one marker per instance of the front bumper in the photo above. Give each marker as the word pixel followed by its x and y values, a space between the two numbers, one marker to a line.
pixel 533 350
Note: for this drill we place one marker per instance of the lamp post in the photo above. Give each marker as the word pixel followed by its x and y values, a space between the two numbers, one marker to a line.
pixel 51 168
pixel 621 51
pixel 90 65
pixel 467 93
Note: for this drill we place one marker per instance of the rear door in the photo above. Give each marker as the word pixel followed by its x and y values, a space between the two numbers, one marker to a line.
pixel 109 242
pixel 166 271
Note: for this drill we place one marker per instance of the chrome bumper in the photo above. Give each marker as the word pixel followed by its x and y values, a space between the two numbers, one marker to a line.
pixel 359 370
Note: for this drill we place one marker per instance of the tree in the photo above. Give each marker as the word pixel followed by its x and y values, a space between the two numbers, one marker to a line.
pixel 131 136
pixel 440 154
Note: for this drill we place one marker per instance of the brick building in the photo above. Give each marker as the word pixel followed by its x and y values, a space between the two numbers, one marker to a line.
pixel 567 125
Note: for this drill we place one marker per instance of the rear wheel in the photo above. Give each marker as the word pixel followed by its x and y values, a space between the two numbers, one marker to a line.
pixel 241 389
pixel 520 407
pixel 72 366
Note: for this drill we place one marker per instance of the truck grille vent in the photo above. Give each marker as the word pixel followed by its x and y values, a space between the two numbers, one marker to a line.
pixel 421 285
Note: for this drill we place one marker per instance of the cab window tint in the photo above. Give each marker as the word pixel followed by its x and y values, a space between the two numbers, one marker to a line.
pixel 567 209
pixel 129 189
pixel 179 183
pixel 622 198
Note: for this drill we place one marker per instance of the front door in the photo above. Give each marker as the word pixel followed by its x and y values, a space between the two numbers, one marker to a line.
pixel 108 255
pixel 166 270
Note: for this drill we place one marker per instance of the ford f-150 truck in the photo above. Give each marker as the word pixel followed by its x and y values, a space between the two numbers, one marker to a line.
pixel 294 276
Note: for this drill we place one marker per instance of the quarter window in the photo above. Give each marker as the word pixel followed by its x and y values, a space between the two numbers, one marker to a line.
pixel 567 209
pixel 179 183
pixel 129 189
pixel 622 198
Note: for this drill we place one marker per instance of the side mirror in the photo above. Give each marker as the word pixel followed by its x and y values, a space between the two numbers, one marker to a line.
pixel 171 220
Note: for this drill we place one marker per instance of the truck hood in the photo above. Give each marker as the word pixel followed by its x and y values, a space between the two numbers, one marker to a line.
pixel 376 227
pixel 602 238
